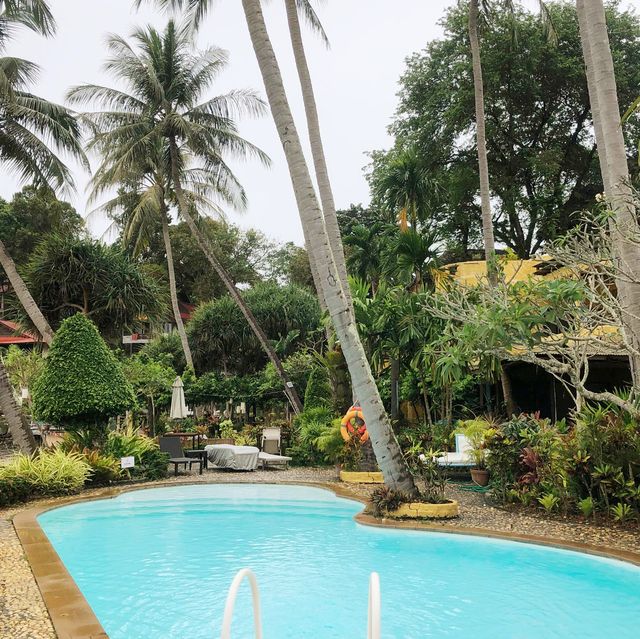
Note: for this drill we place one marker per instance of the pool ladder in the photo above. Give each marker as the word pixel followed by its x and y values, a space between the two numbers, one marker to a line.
pixel 373 617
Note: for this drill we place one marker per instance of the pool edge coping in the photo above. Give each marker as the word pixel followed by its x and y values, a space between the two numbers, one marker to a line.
pixel 73 618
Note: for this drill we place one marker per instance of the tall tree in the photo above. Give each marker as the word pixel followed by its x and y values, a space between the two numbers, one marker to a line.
pixel 294 7
pixel 615 171
pixel 481 141
pixel 145 206
pixel 385 444
pixel 165 81
pixel 30 127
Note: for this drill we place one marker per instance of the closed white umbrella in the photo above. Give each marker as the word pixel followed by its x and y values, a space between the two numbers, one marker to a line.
pixel 178 406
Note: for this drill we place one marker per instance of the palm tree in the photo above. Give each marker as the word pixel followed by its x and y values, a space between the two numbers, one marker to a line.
pixel 165 80
pixel 150 195
pixel 403 187
pixel 605 110
pixel 481 140
pixel 30 127
pixel 294 7
pixel 385 444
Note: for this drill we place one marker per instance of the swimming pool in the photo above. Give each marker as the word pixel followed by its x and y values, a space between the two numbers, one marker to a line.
pixel 157 564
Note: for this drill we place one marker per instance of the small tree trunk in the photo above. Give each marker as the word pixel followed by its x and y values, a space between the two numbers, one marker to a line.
pixel 388 453
pixel 481 141
pixel 289 388
pixel 395 395
pixel 173 290
pixel 507 391
pixel 23 294
pixel 18 426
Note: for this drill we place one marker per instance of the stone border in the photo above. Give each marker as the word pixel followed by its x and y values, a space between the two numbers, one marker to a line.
pixel 73 618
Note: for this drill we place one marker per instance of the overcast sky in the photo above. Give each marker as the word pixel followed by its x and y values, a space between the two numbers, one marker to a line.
pixel 355 81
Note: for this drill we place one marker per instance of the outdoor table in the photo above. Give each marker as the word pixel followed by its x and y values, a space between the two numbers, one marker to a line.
pixel 193 436
pixel 233 457
pixel 201 454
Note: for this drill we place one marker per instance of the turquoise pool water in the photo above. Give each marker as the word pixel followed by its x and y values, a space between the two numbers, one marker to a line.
pixel 157 564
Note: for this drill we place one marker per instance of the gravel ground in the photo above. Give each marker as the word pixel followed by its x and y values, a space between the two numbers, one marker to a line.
pixel 24 616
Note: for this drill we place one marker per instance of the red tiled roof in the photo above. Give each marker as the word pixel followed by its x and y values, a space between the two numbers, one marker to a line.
pixel 20 337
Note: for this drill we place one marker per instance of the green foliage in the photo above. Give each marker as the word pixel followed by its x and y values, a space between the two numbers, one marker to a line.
pixel 318 391
pixel 220 335
pixel 32 214
pixel 167 348
pixel 309 427
pixel 104 469
pixel 622 512
pixel 48 472
pixel 586 506
pixel 549 502
pixel 150 462
pixel 82 383
pixel 13 489
pixel 477 431
pixel 424 467
pixel 548 150
pixel 384 500
pixel 66 275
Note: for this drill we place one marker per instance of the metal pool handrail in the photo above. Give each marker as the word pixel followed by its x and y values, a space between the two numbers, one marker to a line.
pixel 231 602
pixel 373 622
pixel 373 618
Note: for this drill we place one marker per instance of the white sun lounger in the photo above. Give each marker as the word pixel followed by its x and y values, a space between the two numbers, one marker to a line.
pixel 460 459
pixel 267 459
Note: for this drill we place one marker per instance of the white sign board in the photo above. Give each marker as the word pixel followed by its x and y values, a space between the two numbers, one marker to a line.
pixel 127 462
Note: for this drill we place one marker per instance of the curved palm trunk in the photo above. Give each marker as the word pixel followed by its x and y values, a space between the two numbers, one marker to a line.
pixel 23 294
pixel 174 293
pixel 483 165
pixel 385 444
pixel 18 427
pixel 317 149
pixel 613 161
pixel 183 209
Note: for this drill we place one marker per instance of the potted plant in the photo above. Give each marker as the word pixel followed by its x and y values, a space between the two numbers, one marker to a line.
pixel 476 431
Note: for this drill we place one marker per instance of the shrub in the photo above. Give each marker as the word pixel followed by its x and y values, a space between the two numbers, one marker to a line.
pixel 384 500
pixel 49 472
pixel 150 462
pixel 308 427
pixel 82 383
pixel 13 489
pixel 104 468
pixel 318 391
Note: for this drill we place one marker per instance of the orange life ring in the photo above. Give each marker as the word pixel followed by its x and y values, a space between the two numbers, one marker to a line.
pixel 349 427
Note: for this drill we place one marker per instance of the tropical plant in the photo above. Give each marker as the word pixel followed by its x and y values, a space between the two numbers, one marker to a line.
pixel 477 431
pixel 31 126
pixel 318 390
pixel 48 472
pixel 82 383
pixel 166 80
pixel 150 462
pixel 332 287
pixel 68 275
pixel 384 500
pixel 549 502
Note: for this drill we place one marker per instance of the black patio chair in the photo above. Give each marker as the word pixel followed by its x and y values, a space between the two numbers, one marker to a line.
pixel 173 447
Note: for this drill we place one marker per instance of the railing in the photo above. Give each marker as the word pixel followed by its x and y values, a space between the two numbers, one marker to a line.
pixel 373 621
pixel 373 617
pixel 231 602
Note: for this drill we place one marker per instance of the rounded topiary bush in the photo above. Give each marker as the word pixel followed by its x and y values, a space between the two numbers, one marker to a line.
pixel 82 384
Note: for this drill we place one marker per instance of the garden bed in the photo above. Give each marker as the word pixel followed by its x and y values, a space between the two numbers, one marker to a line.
pixel 421 510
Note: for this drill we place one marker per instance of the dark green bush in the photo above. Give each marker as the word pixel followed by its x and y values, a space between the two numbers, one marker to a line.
pixel 82 383
pixel 318 391
pixel 13 490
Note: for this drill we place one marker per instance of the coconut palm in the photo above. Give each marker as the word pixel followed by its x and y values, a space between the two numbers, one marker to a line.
pixel 385 444
pixel 161 106
pixel 32 134
pixel 605 110
pixel 403 187
pixel 144 205
pixel 386 448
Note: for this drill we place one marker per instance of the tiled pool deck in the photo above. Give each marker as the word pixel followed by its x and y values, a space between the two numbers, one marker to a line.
pixel 23 614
